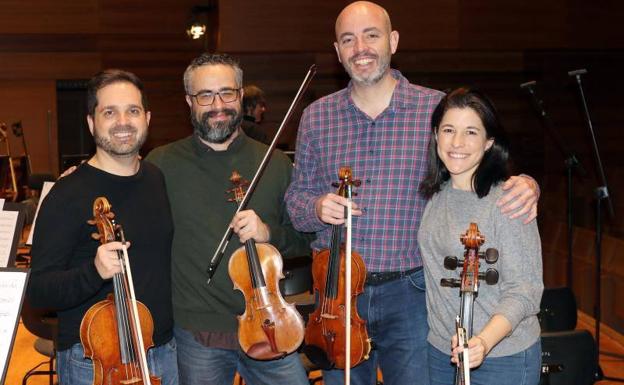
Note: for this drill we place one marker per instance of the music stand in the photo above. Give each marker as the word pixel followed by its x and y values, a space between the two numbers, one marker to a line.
pixel 12 289
pixel 19 226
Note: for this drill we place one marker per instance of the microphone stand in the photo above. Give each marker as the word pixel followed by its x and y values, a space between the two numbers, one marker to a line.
pixel 571 162
pixel 602 192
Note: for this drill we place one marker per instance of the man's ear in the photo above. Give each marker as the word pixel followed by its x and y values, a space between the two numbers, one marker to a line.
pixel 148 116
pixel 90 123
pixel 337 51
pixel 189 101
pixel 394 41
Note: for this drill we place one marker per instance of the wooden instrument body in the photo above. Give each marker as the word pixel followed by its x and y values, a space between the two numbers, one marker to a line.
pixel 100 340
pixel 270 327
pixel 326 324
pixel 117 332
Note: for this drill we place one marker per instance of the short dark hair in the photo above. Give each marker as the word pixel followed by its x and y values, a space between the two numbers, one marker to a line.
pixel 252 96
pixel 108 77
pixel 494 166
pixel 212 59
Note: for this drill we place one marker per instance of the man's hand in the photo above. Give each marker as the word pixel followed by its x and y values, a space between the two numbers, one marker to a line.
pixel 330 208
pixel 106 261
pixel 521 198
pixel 68 171
pixel 247 225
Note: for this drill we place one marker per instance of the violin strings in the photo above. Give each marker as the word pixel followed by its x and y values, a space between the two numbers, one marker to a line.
pixel 130 345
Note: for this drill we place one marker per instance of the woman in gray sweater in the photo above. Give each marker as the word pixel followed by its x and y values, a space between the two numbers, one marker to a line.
pixel 468 156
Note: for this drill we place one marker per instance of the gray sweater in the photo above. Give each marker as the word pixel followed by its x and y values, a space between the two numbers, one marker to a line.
pixel 519 290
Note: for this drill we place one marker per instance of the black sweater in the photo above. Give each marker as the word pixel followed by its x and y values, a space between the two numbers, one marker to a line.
pixel 64 276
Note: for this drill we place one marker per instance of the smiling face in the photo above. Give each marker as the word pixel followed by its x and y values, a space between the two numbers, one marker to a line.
pixel 365 42
pixel 217 122
pixel 461 143
pixel 119 122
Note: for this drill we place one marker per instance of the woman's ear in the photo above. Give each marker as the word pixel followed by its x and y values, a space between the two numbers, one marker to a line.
pixel 489 144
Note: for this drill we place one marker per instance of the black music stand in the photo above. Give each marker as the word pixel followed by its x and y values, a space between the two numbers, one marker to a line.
pixel 19 226
pixel 602 192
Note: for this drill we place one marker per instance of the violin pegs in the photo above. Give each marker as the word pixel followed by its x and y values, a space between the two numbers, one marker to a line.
pixel 450 282
pixel 490 276
pixel 110 215
pixel 491 255
pixel 96 236
pixel 451 263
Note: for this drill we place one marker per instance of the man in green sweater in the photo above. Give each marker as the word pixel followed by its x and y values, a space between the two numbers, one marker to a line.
pixel 197 171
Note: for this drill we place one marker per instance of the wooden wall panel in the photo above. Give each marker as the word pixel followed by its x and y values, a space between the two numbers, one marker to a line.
pixel 32 102
pixel 48 65
pixel 48 16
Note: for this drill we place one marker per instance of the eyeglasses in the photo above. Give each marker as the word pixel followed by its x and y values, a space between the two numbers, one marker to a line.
pixel 207 98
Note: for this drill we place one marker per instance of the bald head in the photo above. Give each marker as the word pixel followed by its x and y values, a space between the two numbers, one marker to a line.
pixel 363 10
pixel 365 42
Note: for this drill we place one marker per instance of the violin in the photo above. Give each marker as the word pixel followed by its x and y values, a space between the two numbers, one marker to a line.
pixel 117 331
pixel 270 328
pixel 468 284
pixel 325 336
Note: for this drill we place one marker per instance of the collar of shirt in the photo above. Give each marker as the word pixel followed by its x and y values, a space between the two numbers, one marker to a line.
pixel 401 97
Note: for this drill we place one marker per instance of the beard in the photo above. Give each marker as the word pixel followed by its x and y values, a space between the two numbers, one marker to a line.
pixel 109 144
pixel 383 63
pixel 218 132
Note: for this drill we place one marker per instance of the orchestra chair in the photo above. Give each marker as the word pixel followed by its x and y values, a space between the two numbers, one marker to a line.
pixel 558 310
pixel 568 358
pixel 296 287
pixel 44 325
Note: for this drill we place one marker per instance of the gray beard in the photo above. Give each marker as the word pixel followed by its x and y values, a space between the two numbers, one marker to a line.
pixel 374 78
pixel 217 133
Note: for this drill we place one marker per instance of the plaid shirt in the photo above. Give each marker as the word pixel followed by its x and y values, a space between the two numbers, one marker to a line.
pixel 388 154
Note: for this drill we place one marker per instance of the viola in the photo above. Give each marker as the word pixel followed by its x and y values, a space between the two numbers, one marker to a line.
pixel 325 336
pixel 270 328
pixel 117 331
pixel 468 284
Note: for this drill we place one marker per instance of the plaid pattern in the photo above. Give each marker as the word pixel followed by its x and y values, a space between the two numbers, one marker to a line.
pixel 388 154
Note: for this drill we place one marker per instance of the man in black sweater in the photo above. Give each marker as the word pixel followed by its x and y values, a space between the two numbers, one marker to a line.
pixel 71 271
pixel 197 170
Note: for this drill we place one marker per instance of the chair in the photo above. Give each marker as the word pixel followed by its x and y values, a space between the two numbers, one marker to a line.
pixel 557 310
pixel 297 286
pixel 568 358
pixel 43 324
pixel 568 355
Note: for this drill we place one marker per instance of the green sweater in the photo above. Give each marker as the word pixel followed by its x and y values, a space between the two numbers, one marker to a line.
pixel 197 179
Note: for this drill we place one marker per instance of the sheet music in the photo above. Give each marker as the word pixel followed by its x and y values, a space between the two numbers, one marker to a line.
pixel 12 285
pixel 44 191
pixel 8 221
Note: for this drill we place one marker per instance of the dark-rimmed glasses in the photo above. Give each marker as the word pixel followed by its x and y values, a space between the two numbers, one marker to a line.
pixel 206 98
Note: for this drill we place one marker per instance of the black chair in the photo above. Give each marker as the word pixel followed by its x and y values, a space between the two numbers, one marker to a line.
pixel 43 324
pixel 557 310
pixel 568 358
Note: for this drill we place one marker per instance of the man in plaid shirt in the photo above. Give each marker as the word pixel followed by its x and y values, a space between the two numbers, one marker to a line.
pixel 379 126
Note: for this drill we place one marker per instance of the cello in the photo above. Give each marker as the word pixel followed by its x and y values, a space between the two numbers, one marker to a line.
pixel 270 328
pixel 325 337
pixel 116 332
pixel 468 284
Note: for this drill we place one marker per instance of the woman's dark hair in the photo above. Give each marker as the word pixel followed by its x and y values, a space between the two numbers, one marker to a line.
pixel 494 166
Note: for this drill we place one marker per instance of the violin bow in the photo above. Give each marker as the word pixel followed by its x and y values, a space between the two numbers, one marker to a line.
pixel 348 294
pixel 464 357
pixel 218 255
pixel 135 310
